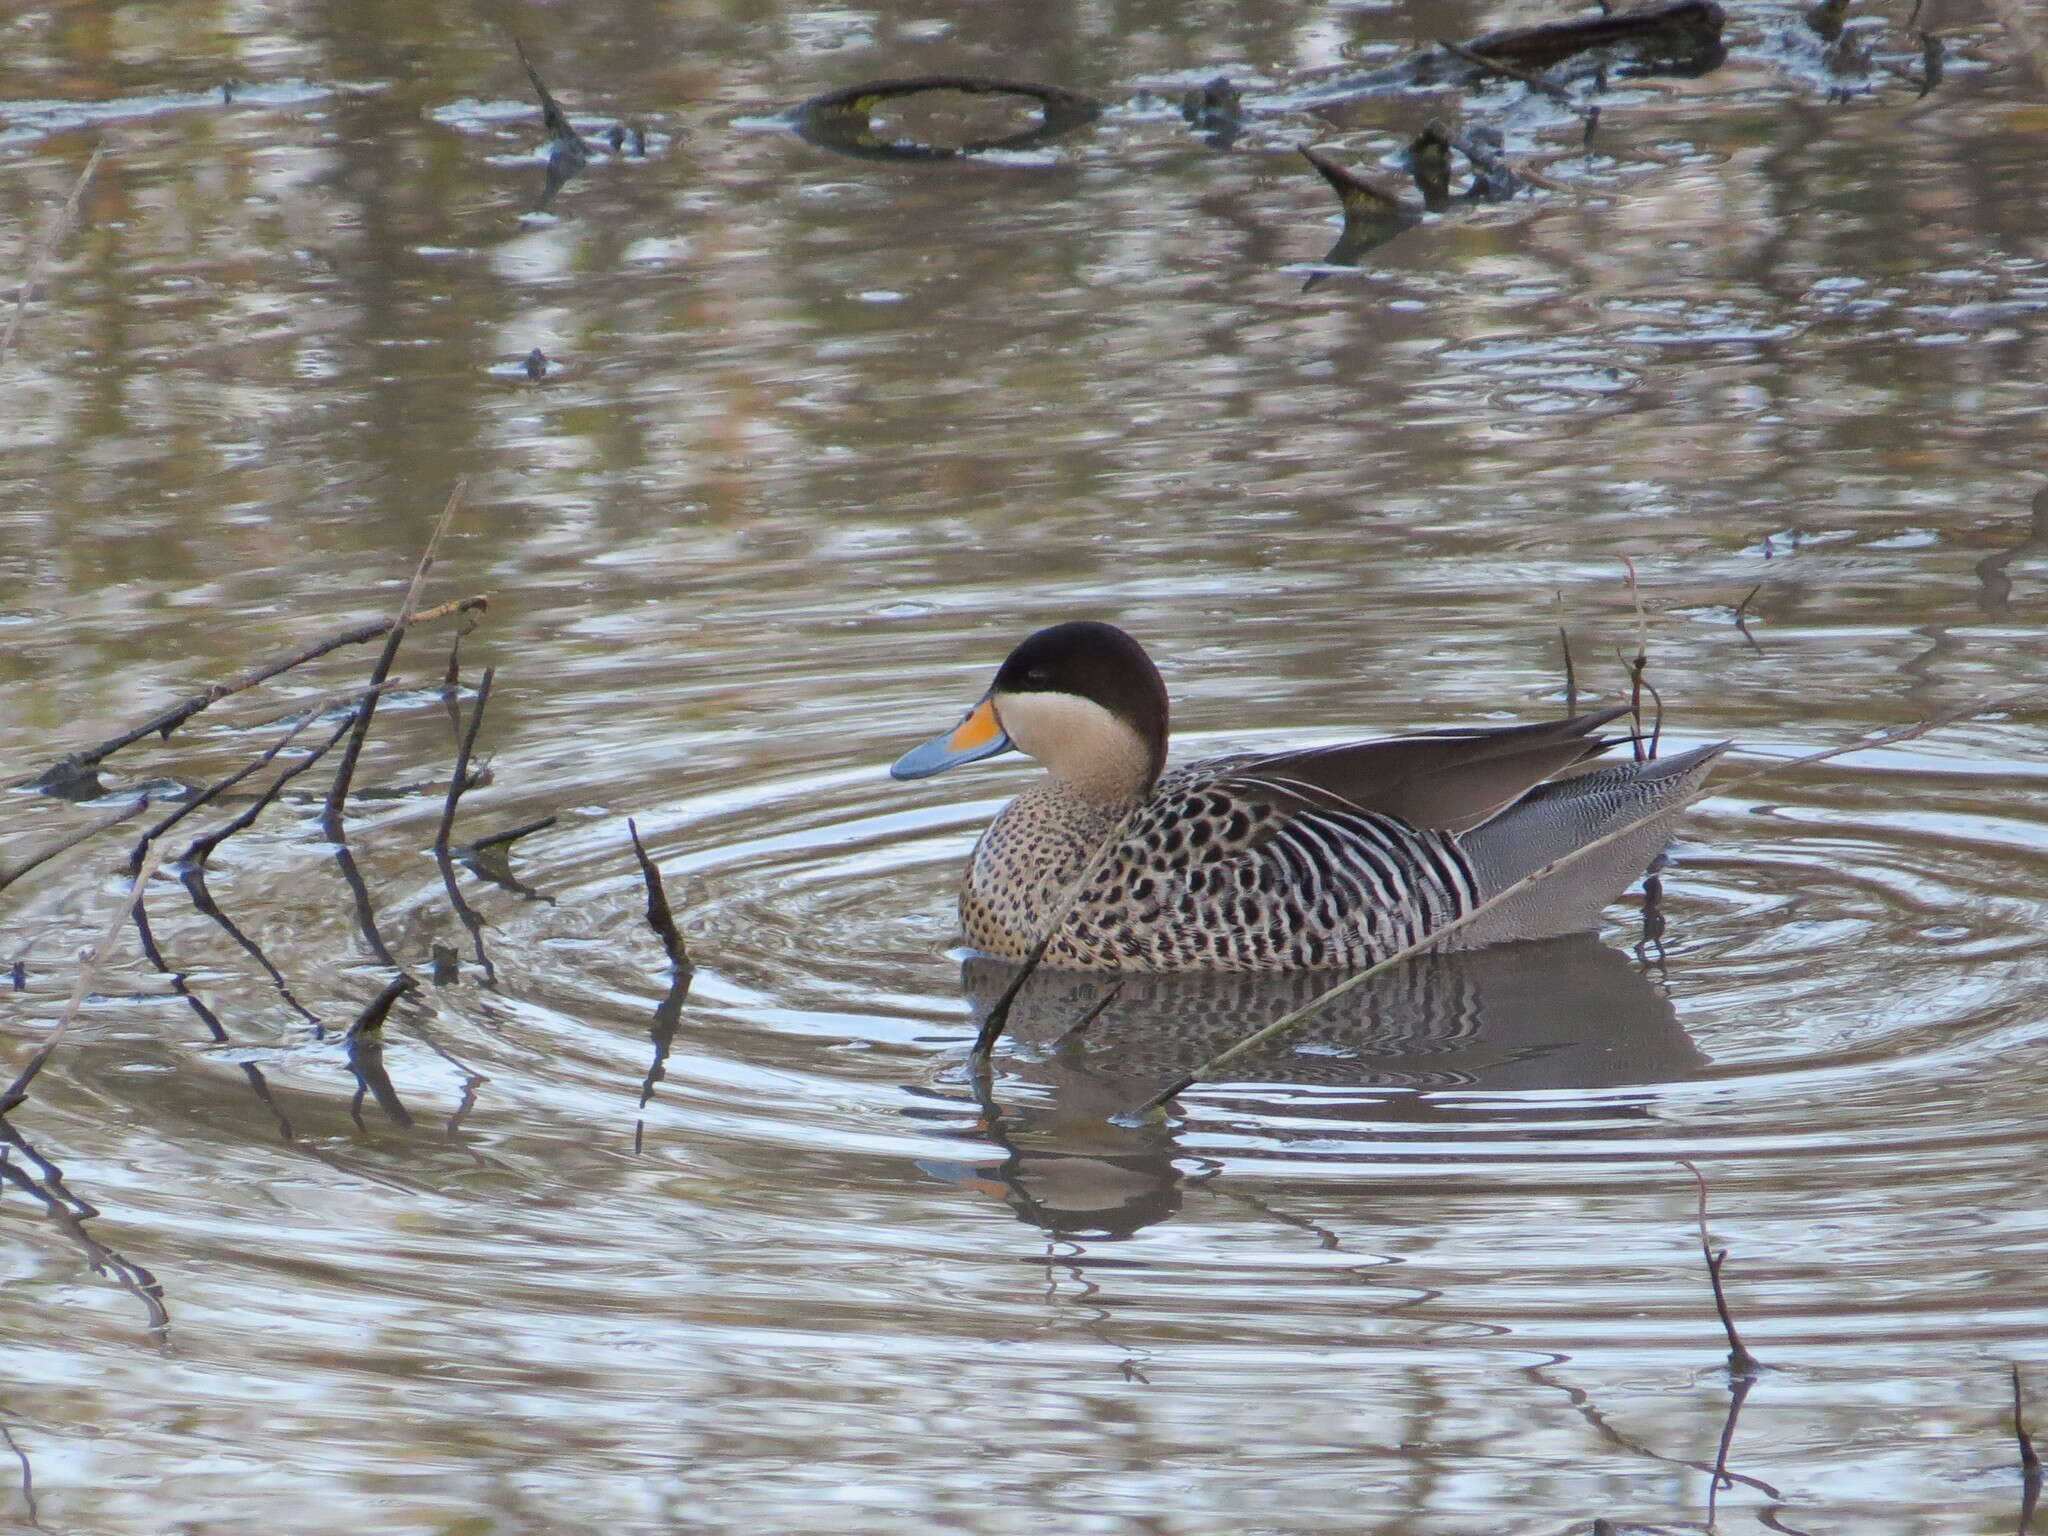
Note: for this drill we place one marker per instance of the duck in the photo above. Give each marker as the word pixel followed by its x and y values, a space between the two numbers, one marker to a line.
pixel 1329 857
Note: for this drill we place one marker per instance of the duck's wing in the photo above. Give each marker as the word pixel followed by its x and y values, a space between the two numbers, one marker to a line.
pixel 1442 781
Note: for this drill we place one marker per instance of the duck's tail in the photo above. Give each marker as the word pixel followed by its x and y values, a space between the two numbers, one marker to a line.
pixel 1553 819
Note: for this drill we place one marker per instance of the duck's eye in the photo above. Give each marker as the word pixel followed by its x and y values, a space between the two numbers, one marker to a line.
pixel 1039 677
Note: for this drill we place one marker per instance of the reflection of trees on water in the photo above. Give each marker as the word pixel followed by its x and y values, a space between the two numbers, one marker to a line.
pixel 237 261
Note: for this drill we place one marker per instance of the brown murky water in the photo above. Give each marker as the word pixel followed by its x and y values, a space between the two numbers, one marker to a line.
pixel 821 437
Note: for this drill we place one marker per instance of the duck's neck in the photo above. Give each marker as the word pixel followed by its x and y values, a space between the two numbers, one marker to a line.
pixel 1092 755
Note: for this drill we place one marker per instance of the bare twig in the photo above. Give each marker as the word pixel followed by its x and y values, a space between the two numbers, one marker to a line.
pixel 88 962
pixel 70 1218
pixel 1535 82
pixel 28 1481
pixel 1564 642
pixel 214 791
pixel 46 252
pixel 1740 1361
pixel 511 834
pixel 2030 1461
pixel 72 840
pixel 330 815
pixel 457 782
pixel 1742 617
pixel 1095 1011
pixel 999 1014
pixel 659 917
pixel 1436 936
pixel 201 848
pixel 365 1042
pixel 371 1020
pixel 162 724
pixel 1637 666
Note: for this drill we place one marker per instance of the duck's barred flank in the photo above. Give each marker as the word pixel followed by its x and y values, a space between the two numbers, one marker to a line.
pixel 1212 873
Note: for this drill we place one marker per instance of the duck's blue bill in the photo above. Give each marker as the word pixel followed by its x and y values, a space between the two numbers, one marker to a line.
pixel 979 735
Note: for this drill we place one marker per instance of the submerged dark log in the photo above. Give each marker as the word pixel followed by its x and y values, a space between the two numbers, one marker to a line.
pixel 1680 39
pixel 843 120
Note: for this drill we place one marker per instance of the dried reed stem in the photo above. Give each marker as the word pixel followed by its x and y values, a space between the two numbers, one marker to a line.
pixel 88 962
pixel 163 723
pixel 330 814
pixel 46 252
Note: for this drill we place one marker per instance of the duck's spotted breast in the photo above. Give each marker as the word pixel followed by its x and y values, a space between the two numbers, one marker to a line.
pixel 1210 873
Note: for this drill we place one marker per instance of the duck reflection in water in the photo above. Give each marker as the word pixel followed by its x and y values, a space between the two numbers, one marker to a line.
pixel 1409 1047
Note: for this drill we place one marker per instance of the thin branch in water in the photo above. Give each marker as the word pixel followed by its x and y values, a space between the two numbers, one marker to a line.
pixel 70 841
pixel 214 791
pixel 1741 1362
pixel 1431 940
pixel 28 1482
pixel 457 782
pixel 365 1042
pixel 365 908
pixel 200 849
pixel 1738 1393
pixel 659 917
pixel 1096 1010
pixel 46 252
pixel 511 834
pixel 1571 672
pixel 78 765
pixel 2030 1461
pixel 1535 82
pixel 330 815
pixel 147 938
pixel 1639 664
pixel 193 878
pixel 130 1276
pixel 88 962
pixel 1742 621
pixel 979 1055
pixel 451 686
pixel 668 1015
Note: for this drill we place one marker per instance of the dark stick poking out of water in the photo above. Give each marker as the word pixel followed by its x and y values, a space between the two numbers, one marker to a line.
pixel 1740 1361
pixel 458 781
pixel 659 917
pixel 2030 1461
pixel 669 1012
pixel 567 151
pixel 72 777
pixel 366 1054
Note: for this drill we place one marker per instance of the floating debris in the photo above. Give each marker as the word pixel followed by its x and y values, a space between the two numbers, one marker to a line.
pixel 843 120
pixel 1215 111
pixel 1682 39
pixel 536 365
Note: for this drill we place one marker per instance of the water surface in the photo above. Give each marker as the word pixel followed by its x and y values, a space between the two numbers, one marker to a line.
pixel 818 440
